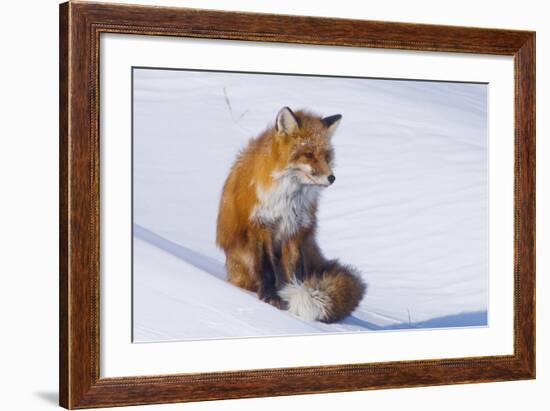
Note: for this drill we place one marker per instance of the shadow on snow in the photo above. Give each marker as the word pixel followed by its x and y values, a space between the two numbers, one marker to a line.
pixel 202 262
pixel 466 319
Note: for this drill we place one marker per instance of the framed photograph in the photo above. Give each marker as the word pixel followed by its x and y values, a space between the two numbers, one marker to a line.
pixel 260 205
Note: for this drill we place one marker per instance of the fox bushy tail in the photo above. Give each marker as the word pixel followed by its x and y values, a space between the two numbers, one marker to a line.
pixel 328 295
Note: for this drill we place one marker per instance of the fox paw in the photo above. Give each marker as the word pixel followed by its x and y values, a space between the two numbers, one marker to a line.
pixel 275 301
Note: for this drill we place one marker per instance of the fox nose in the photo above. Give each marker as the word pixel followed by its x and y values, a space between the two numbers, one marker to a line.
pixel 331 178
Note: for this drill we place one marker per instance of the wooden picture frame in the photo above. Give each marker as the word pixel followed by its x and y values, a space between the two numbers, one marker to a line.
pixel 81 24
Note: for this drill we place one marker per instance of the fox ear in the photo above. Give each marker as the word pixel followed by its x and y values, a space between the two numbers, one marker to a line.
pixel 287 122
pixel 331 122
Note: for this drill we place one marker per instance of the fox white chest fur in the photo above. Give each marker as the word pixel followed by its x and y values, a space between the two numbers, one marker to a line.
pixel 286 205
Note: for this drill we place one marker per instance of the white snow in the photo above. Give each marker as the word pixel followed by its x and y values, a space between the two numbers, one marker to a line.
pixel 408 208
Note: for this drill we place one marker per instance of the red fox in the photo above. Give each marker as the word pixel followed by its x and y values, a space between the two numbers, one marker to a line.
pixel 267 220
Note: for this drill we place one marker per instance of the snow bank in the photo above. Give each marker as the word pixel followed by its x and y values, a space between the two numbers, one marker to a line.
pixel 408 209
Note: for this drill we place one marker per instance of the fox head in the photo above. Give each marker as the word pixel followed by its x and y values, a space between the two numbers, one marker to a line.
pixel 305 146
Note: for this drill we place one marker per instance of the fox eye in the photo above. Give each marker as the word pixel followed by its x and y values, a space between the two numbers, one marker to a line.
pixel 308 155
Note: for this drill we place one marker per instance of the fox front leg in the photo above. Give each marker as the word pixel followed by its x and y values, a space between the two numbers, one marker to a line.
pixel 292 264
pixel 271 279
